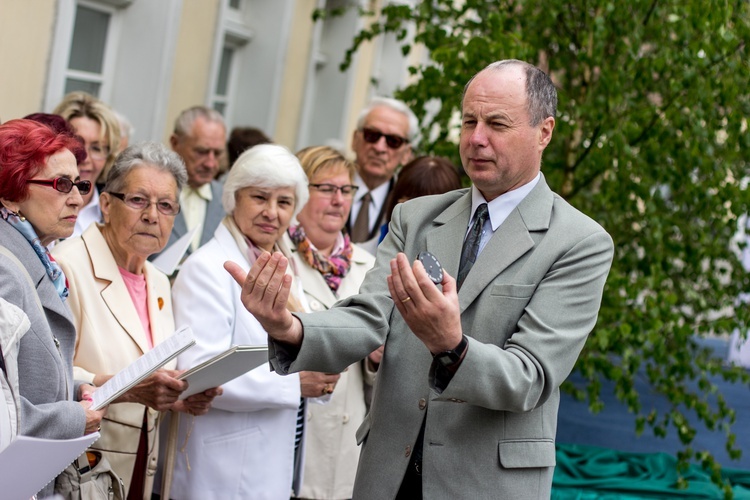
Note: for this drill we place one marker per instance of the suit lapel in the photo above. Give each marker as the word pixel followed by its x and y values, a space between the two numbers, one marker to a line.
pixel 512 239
pixel 115 294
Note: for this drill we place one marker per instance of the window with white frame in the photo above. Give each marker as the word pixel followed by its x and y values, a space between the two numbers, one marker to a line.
pixel 221 94
pixel 88 49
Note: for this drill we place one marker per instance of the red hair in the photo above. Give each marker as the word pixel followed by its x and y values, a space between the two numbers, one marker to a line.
pixel 25 146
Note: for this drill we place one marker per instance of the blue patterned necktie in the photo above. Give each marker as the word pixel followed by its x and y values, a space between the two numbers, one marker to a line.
pixel 471 244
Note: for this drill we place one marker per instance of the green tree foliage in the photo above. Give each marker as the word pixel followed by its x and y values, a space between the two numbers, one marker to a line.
pixel 651 141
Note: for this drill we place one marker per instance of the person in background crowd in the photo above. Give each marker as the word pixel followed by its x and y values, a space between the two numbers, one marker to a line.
pixel 126 130
pixel 383 141
pixel 241 139
pixel 200 139
pixel 467 395
pixel 247 445
pixel 424 175
pixel 97 125
pixel 122 306
pixel 330 268
pixel 40 195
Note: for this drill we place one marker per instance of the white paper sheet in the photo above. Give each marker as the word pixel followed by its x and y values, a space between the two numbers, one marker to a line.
pixel 142 367
pixel 28 464
pixel 170 257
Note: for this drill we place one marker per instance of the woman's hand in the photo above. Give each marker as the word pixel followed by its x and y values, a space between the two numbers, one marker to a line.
pixel 198 404
pixel 93 417
pixel 159 391
pixel 316 384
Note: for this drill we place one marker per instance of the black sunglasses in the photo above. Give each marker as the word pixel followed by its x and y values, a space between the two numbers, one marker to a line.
pixel 393 141
pixel 64 185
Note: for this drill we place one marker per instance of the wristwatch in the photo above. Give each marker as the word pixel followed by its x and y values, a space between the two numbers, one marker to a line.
pixel 452 356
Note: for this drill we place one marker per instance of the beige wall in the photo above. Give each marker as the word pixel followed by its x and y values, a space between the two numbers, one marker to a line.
pixel 192 63
pixel 295 74
pixel 26 29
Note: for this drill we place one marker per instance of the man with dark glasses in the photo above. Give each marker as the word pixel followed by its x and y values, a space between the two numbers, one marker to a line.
pixel 382 142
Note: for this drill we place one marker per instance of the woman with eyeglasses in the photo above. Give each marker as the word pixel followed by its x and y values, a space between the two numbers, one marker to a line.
pixel 330 268
pixel 122 308
pixel 40 197
pixel 247 446
pixel 98 126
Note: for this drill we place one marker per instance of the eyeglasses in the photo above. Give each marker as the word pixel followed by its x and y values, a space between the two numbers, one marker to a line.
pixel 63 184
pixel 138 202
pixel 329 190
pixel 97 151
pixel 393 141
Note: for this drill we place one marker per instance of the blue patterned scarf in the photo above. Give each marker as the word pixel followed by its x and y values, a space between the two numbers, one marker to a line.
pixel 27 230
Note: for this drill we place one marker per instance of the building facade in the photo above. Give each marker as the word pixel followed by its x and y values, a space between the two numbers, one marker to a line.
pixel 261 63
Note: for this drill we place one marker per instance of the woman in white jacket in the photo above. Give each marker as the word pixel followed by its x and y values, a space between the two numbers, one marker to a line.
pixel 13 325
pixel 245 446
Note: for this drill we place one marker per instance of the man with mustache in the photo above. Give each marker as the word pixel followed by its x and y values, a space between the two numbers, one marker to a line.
pixel 467 393
pixel 382 142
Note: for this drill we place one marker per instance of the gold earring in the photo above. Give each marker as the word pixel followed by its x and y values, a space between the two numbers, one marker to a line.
pixel 20 216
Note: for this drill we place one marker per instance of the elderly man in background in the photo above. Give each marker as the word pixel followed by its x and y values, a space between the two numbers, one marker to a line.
pixel 200 138
pixel 382 142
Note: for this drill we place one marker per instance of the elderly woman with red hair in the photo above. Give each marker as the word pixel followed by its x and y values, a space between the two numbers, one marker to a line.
pixel 40 196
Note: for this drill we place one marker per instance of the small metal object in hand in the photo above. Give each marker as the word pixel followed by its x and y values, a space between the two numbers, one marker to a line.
pixel 432 266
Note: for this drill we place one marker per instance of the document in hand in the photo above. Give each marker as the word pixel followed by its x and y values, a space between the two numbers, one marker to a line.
pixel 28 464
pixel 141 368
pixel 223 367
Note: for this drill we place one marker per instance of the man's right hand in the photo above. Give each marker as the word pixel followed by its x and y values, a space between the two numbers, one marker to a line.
pixel 265 291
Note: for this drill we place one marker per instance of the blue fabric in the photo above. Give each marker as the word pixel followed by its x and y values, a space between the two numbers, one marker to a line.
pixel 27 230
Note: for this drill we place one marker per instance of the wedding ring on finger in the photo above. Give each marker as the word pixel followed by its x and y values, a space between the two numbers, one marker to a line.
pixel 327 389
pixel 407 299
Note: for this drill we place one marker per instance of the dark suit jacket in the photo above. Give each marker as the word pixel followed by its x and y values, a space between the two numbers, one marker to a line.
pixel 527 307
pixel 214 214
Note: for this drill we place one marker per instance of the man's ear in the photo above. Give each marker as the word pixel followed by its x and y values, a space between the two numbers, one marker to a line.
pixel 545 132
pixel 174 141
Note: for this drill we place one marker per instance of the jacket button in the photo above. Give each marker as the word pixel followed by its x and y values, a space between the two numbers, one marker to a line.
pixel 316 306
pixel 408 451
pixel 422 403
pixel 345 418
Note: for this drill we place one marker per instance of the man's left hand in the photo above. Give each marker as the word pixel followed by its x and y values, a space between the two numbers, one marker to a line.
pixel 433 315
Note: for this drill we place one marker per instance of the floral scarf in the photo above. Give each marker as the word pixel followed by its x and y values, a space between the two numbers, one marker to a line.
pixel 333 268
pixel 27 230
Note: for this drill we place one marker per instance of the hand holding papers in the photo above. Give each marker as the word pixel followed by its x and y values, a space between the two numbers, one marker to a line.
pixel 223 367
pixel 131 375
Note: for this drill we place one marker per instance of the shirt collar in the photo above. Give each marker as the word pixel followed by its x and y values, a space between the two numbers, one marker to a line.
pixel 501 207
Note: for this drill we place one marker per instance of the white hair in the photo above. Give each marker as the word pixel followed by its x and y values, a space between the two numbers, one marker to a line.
pixel 395 105
pixel 268 166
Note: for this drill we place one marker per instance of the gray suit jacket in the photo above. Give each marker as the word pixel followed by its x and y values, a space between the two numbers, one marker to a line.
pixel 214 214
pixel 527 307
pixel 45 371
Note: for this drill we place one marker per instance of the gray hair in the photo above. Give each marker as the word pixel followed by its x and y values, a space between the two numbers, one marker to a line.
pixel 183 125
pixel 268 166
pixel 541 94
pixel 126 128
pixel 152 154
pixel 395 105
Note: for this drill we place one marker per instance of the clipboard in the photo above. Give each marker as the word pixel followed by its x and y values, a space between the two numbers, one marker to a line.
pixel 223 367
pixel 141 368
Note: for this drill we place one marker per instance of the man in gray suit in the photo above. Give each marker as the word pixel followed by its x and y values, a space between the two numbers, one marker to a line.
pixel 199 137
pixel 466 399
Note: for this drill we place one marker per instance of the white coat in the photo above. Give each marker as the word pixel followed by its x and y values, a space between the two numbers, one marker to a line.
pixel 331 449
pixel 244 446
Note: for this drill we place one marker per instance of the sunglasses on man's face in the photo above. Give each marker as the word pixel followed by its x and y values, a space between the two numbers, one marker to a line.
pixel 63 184
pixel 393 141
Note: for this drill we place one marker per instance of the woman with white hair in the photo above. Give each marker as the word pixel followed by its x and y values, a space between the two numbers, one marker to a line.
pixel 244 447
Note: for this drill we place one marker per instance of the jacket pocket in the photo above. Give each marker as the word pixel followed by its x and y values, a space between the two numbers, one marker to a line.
pixel 518 454
pixel 514 291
